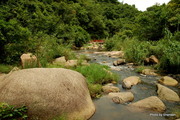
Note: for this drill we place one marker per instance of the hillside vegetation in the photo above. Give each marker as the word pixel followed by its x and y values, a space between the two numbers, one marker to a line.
pixel 50 28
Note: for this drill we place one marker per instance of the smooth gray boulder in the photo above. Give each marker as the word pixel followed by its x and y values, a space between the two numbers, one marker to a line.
pixel 48 93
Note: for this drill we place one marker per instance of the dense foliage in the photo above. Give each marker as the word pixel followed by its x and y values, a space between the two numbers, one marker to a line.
pixel 155 32
pixel 46 27
pixel 28 26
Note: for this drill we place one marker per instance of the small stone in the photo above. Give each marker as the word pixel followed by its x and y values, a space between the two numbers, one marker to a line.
pixel 130 81
pixel 110 88
pixel 122 97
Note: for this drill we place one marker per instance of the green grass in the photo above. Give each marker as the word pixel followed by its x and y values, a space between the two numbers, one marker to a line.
pixel 95 90
pixel 5 68
pixel 50 65
pixel 96 75
pixel 139 69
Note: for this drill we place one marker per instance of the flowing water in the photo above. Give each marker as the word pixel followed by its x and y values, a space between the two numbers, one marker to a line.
pixel 106 109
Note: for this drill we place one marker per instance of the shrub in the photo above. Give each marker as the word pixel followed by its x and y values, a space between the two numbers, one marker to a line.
pixel 136 51
pixel 170 59
pixel 9 112
pixel 46 48
pixel 110 44
pixel 115 43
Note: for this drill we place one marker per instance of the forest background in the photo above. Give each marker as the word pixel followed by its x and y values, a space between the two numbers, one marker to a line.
pixel 51 28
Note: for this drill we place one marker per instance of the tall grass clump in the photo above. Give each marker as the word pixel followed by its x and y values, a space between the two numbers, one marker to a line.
pixel 96 75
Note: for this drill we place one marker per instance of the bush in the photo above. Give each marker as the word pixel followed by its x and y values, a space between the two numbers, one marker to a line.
pixel 9 112
pixel 46 48
pixel 136 51
pixel 170 59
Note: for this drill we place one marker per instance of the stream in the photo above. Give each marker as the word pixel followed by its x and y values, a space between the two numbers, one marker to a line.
pixel 106 109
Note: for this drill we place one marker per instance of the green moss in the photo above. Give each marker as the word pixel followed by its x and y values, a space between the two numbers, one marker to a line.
pixel 5 68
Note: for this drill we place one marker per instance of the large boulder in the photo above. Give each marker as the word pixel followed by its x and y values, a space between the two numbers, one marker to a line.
pixel 165 93
pixel 110 88
pixel 119 62
pixel 48 93
pixel 168 81
pixel 28 60
pixel 60 60
pixel 122 97
pixel 130 81
pixel 151 103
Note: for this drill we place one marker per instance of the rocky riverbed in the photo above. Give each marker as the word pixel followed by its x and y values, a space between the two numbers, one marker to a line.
pixel 142 94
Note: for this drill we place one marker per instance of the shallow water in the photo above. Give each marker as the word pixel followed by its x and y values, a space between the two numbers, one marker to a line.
pixel 108 110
